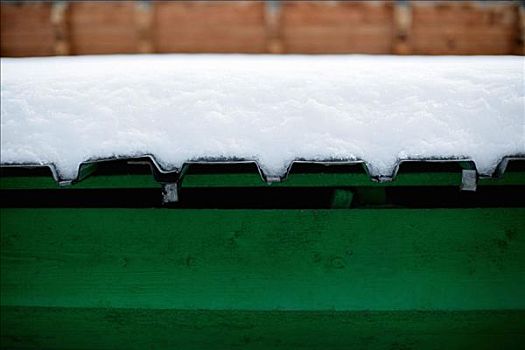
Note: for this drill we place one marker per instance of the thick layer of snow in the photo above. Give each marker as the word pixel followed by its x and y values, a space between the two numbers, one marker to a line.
pixel 272 109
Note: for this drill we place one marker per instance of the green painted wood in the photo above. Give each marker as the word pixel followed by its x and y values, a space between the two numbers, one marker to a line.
pixel 91 182
pixel 441 259
pixel 341 198
pixel 254 180
pixel 341 180
pixel 160 278
pixel 109 328
pixel 27 182
pixel 510 178
pixel 319 180
pixel 372 195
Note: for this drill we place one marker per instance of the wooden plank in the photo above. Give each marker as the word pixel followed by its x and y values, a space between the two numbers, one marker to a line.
pixel 103 27
pixel 348 260
pixel 320 180
pixel 216 26
pixel 520 49
pixel 110 328
pixel 472 13
pixel 115 278
pixel 434 27
pixel 345 180
pixel 26 29
pixel 464 28
pixel 337 27
pixel 254 180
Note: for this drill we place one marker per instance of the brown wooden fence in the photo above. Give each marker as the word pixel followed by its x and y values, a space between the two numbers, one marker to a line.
pixel 430 27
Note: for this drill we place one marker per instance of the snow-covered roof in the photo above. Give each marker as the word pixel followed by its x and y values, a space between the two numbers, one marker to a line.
pixel 62 111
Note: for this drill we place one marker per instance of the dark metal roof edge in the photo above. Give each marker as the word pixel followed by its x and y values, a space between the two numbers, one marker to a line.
pixel 158 169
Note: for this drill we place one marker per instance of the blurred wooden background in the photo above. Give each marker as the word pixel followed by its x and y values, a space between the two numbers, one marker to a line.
pixel 400 27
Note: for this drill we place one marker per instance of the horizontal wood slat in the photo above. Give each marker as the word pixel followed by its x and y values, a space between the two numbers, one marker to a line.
pixel 160 278
pixel 108 328
pixel 367 259
pixel 103 27
pixel 433 27
pixel 337 27
pixel 464 28
pixel 255 180
pixel 214 26
pixel 26 30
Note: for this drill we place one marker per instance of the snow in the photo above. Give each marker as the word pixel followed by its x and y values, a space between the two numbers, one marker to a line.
pixel 271 109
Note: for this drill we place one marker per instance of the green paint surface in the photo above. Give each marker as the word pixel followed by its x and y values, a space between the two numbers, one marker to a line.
pixel 160 278
pixel 101 181
pixel 108 328
pixel 320 180
pixel 342 179
pixel 468 259
pixel 254 180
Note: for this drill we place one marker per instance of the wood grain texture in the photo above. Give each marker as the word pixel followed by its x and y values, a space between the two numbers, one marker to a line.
pixel 108 328
pixel 117 278
pixel 26 29
pixel 441 259
pixel 337 27
pixel 464 28
pixel 103 27
pixel 376 27
pixel 215 26
pixel 255 180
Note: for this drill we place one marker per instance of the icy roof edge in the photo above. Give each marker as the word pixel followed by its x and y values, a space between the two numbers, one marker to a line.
pixel 498 171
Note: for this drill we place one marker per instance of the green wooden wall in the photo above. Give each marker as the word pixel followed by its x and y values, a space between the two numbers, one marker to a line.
pixel 320 279
pixel 364 273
